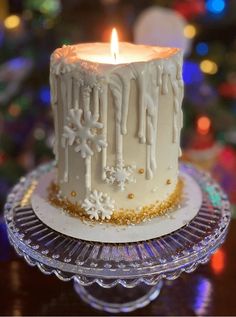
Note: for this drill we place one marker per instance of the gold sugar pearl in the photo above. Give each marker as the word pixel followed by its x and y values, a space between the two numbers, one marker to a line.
pixel 131 196
pixel 141 170
pixel 73 193
pixel 168 182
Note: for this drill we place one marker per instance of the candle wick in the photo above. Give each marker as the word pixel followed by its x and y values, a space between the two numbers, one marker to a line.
pixel 115 56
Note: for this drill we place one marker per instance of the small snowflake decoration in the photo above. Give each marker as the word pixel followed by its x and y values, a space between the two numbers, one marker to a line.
pixel 82 132
pixel 63 59
pixel 120 175
pixel 98 205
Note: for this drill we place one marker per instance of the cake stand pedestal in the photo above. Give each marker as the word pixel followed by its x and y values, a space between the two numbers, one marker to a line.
pixel 129 274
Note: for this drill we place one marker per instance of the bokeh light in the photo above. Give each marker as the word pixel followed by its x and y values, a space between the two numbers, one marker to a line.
pixel 218 261
pixel 51 7
pixel 215 6
pixel 44 95
pixel 14 110
pixel 17 63
pixel 2 157
pixel 192 73
pixel 1 36
pixel 12 22
pixel 202 48
pixel 203 125
pixel 27 14
pixel 39 134
pixel 208 67
pixel 190 31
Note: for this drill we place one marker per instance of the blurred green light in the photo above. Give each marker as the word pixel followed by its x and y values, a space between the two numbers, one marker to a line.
pixel 51 7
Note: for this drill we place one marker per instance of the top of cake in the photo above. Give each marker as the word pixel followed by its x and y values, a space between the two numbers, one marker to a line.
pixel 98 56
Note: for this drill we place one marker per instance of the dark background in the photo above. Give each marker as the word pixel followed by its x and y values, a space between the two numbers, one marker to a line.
pixel 29 31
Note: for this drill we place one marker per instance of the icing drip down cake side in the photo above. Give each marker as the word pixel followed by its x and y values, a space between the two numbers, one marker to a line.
pixel 117 133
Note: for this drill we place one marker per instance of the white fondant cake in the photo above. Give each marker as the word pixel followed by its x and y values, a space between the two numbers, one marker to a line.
pixel 117 129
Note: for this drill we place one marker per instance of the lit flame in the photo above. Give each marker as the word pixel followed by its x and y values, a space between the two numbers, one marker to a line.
pixel 114 44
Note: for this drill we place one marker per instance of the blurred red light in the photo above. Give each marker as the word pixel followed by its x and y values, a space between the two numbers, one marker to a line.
pixel 218 261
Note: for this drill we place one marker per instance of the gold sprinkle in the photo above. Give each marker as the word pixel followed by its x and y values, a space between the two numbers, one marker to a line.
pixel 26 198
pixel 141 170
pixel 120 216
pixel 131 196
pixel 73 193
pixel 168 182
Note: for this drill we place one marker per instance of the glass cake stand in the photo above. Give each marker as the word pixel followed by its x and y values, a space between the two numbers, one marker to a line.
pixel 129 274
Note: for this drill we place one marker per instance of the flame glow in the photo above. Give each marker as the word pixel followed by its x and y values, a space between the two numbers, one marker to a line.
pixel 114 44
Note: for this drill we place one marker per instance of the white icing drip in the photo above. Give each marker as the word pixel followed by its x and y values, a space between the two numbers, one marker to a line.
pixel 126 82
pixel 148 80
pixel 69 92
pixel 66 178
pixel 165 82
pixel 181 88
pixel 95 102
pixel 88 166
pixel 142 109
pixel 53 84
pixel 76 93
pixel 177 86
pixel 103 100
pixel 64 93
pixel 116 89
pixel 125 106
pixel 154 144
pixel 86 97
pixel 86 92
pixel 149 173
pixel 159 75
pixel 176 110
pixel 150 140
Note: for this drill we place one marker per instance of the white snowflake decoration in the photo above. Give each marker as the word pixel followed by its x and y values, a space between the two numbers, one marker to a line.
pixel 82 132
pixel 64 59
pixel 120 175
pixel 98 205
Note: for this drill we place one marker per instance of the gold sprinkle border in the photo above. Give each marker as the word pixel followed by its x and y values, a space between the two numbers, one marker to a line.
pixel 121 216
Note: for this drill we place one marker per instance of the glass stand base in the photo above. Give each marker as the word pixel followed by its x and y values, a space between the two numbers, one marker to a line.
pixel 118 299
pixel 130 266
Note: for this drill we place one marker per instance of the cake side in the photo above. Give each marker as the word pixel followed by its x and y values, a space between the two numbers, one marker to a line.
pixel 117 132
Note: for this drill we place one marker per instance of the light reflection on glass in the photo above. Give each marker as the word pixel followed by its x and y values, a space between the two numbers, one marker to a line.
pixel 202 300
pixel 17 307
pixel 15 281
pixel 15 285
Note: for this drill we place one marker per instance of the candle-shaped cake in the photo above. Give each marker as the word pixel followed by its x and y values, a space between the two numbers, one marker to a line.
pixel 117 120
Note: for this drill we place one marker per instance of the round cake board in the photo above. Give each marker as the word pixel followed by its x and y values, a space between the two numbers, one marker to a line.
pixel 59 220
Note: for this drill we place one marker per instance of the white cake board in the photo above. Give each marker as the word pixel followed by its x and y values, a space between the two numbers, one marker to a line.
pixel 62 222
